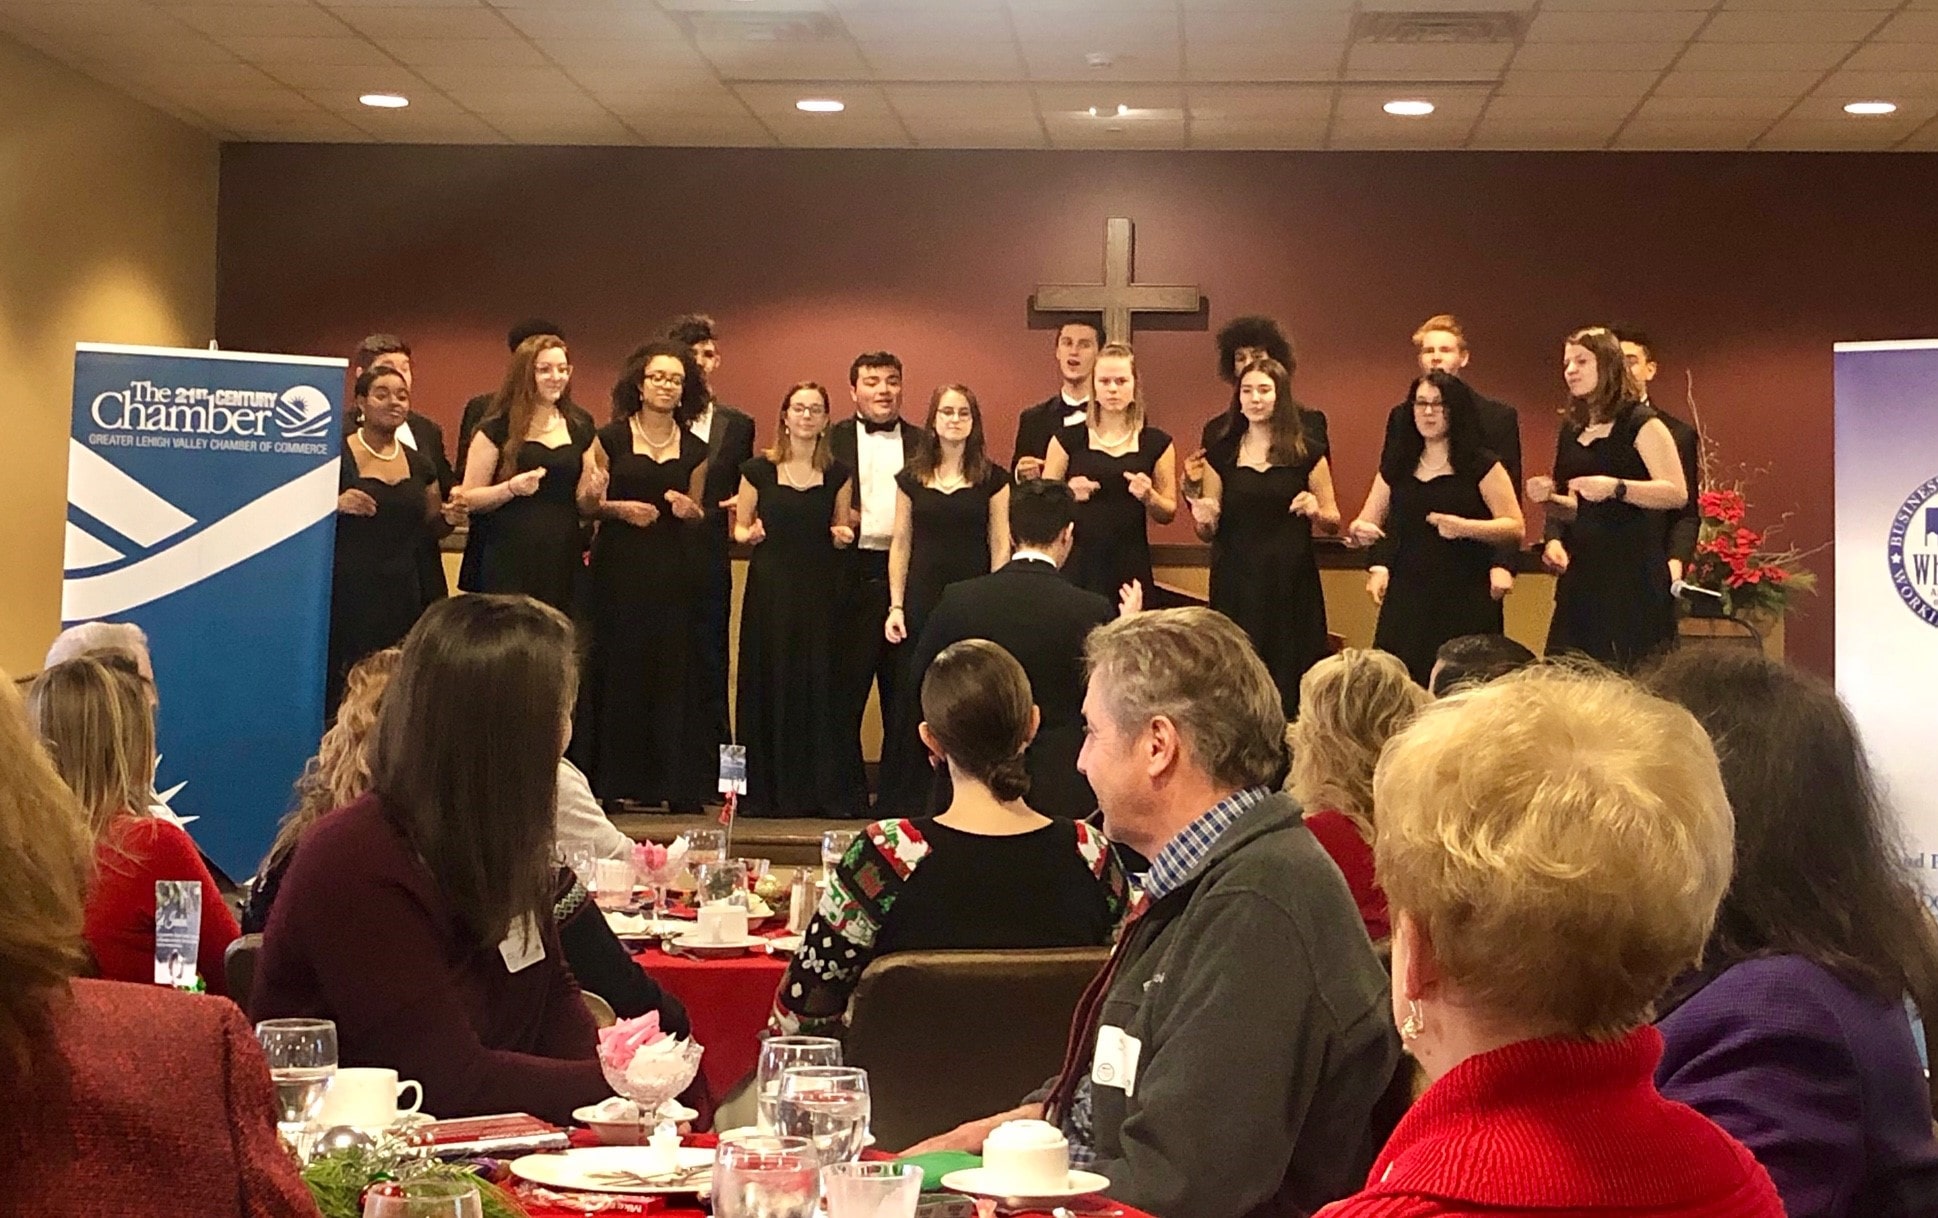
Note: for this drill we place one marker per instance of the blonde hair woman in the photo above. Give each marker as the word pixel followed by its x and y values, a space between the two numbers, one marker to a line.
pixel 1350 705
pixel 75 1105
pixel 94 716
pixel 1554 846
pixel 339 774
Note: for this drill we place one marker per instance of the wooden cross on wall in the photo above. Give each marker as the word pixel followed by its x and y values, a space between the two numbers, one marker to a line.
pixel 1119 296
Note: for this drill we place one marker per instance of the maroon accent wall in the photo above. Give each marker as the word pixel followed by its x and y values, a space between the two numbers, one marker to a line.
pixel 1745 268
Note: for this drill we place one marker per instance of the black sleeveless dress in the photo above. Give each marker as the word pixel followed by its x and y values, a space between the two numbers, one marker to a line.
pixel 1113 545
pixel 949 542
pixel 1263 573
pixel 787 708
pixel 535 544
pixel 1613 603
pixel 644 733
pixel 375 593
pixel 1437 589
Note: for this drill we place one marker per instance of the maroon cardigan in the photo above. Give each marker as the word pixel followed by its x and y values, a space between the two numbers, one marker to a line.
pixel 145 1100
pixel 1563 1129
pixel 360 934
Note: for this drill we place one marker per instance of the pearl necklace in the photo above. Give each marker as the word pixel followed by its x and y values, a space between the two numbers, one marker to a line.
pixel 652 446
pixel 395 446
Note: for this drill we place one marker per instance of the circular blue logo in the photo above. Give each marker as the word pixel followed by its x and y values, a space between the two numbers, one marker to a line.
pixel 1913 552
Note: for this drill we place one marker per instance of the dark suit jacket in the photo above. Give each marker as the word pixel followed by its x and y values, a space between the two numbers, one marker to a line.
pixel 841 441
pixel 430 557
pixel 1036 426
pixel 1500 433
pixel 730 444
pixel 1029 609
pixel 144 1100
pixel 1682 526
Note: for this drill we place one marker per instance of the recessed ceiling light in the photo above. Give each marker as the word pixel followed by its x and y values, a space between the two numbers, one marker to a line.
pixel 820 105
pixel 1409 108
pixel 1117 111
pixel 1871 107
pixel 385 101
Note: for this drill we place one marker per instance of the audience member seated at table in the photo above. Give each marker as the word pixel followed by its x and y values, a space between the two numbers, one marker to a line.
pixel 1792 1032
pixel 338 775
pixel 1350 705
pixel 121 1099
pixel 1553 845
pixel 1475 659
pixel 1244 1005
pixel 94 717
pixel 990 872
pixel 419 918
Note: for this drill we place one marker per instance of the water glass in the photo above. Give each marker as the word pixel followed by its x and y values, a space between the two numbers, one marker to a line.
pixel 827 1105
pixel 834 844
pixel 757 870
pixel 872 1190
pixel 302 1061
pixel 424 1199
pixel 761 1176
pixel 777 1055
pixel 705 846
pixel 720 881
pixel 612 883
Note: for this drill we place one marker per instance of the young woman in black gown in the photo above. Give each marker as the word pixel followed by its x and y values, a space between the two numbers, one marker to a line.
pixel 795 509
pixel 643 733
pixel 522 479
pixel 1122 473
pixel 1257 494
pixel 386 508
pixel 1433 517
pixel 951 523
pixel 1615 473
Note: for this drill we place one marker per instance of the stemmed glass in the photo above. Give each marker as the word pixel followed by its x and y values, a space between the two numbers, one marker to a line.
pixel 302 1061
pixel 424 1199
pixel 777 1055
pixel 834 845
pixel 760 1176
pixel 661 877
pixel 827 1105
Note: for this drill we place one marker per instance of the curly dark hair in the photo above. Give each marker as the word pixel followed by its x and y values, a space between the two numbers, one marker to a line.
pixel 1259 333
pixel 626 401
pixel 1464 448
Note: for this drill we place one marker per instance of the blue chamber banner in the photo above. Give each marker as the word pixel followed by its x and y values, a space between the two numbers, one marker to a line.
pixel 201 496
pixel 1887 573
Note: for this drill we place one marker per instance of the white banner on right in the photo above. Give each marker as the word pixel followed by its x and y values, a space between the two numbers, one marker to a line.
pixel 1887 574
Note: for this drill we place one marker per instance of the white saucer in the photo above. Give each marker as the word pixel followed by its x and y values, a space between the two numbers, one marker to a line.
pixel 784 945
pixel 692 942
pixel 582 1169
pixel 978 1181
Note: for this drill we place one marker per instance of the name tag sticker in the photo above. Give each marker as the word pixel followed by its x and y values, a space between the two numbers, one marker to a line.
pixel 523 947
pixel 1115 1064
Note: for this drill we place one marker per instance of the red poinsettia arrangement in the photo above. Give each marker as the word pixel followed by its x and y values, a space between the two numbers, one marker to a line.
pixel 1731 559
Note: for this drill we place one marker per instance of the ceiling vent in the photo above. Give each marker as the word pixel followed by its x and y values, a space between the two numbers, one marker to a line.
pixel 761 27
pixel 1448 27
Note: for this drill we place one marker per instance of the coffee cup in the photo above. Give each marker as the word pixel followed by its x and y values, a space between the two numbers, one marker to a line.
pixel 1027 1158
pixel 367 1097
pixel 722 922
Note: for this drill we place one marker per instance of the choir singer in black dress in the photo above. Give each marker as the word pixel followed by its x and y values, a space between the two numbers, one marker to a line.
pixel 643 732
pixel 1123 474
pixel 524 471
pixel 1616 473
pixel 795 510
pixel 1257 495
pixel 386 508
pixel 1440 505
pixel 951 523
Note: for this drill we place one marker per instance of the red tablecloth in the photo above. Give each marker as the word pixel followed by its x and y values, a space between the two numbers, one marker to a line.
pixel 728 1001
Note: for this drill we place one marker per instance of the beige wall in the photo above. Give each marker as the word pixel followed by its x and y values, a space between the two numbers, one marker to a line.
pixel 107 234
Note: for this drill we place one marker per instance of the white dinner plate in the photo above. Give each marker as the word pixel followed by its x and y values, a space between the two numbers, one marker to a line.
pixel 783 945
pixel 978 1181
pixel 599 1169
pixel 691 942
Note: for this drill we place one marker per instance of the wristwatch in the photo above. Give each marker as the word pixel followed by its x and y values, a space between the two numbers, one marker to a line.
pixel 1621 490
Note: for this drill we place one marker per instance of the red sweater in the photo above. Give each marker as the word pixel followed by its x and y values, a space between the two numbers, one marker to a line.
pixel 1354 855
pixel 132 854
pixel 1560 1129
pixel 144 1101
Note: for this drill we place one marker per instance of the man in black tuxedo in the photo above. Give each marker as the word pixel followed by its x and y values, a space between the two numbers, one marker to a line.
pixel 423 434
pixel 1680 527
pixel 1076 353
pixel 1029 609
pixel 729 437
pixel 874 444
pixel 1442 346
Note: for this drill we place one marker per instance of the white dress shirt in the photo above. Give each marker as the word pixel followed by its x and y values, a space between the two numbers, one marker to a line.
pixel 1076 410
pixel 408 436
pixel 702 425
pixel 879 453
pixel 1027 555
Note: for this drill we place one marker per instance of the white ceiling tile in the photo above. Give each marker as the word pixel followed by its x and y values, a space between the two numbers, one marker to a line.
pixel 1373 137
pixel 1818 26
pixel 1596 56
pixel 426 104
pixel 1066 63
pixel 942 132
pixel 262 99
pixel 1530 110
pixel 1910 27
pixel 1600 27
pixel 331 52
pixel 312 129
pixel 635 21
pixel 265 19
pixel 1258 134
pixel 205 78
pixel 386 23
pixel 1263 60
pixel 987 61
pixel 1688 109
pixel 738 131
pixel 393 3
pixel 493 106
pixel 1892 57
pixel 876 134
pixel 1763 56
pixel 1891 86
pixel 647 103
pixel 1452 106
pixel 83 19
pixel 941 24
pixel 782 61
pixel 1879 6
pixel 184 50
pixel 966 103
pixel 1076 99
pixel 1426 61
pixel 604 52
pixel 510 81
pixel 349 82
pixel 1241 104
pixel 1292 23
pixel 1542 134
pixel 465 52
pixel 1103 29
pixel 1626 6
pixel 1736 84
pixel 596 128
pixel 633 77
pixel 1521 83
pixel 775 102
pixel 1693 135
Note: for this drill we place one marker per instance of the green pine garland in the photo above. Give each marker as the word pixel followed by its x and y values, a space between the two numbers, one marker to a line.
pixel 338 1178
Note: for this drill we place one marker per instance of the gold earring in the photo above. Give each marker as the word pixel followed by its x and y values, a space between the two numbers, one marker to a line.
pixel 1414 1023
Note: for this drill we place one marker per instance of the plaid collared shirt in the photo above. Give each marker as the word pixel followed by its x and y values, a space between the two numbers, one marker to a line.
pixel 1177 862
